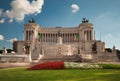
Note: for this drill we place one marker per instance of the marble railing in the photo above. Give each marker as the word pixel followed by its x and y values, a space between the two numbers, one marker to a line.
pixel 14 58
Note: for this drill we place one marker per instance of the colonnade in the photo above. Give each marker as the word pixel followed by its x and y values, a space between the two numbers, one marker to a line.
pixel 29 35
pixel 52 37
pixel 88 35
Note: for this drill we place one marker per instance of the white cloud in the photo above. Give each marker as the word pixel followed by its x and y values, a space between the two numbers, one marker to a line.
pixel 75 8
pixel 12 40
pixel 22 8
pixel 1 37
pixel 2 21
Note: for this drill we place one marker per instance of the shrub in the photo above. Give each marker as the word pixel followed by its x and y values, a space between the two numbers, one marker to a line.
pixel 110 66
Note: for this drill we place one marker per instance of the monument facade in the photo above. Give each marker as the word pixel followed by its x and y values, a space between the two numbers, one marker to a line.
pixel 61 42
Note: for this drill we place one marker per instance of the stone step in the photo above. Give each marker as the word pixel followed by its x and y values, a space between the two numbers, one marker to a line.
pixel 60 58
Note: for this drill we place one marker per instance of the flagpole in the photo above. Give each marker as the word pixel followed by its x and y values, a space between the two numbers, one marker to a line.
pixel 94 35
pixel 100 36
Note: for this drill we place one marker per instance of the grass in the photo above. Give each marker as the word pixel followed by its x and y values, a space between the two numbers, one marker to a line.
pixel 21 74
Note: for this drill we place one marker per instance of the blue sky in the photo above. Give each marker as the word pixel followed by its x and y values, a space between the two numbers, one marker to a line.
pixel 104 14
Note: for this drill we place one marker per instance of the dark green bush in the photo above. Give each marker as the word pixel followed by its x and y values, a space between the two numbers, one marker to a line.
pixel 110 66
pixel 108 50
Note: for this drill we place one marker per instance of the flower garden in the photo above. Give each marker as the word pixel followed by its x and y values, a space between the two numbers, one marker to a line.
pixel 48 65
pixel 64 65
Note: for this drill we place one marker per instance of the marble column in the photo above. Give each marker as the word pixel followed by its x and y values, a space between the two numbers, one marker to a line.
pixel 87 35
pixel 68 37
pixel 25 35
pixel 90 35
pixel 28 35
pixel 45 37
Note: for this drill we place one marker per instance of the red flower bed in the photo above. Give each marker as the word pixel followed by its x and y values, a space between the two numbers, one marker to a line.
pixel 48 65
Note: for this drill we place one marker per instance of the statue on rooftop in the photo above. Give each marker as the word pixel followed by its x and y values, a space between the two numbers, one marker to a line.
pixel 84 20
pixel 31 21
pixel 4 50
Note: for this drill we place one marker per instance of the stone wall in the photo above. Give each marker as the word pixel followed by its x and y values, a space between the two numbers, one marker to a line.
pixel 14 58
pixel 105 57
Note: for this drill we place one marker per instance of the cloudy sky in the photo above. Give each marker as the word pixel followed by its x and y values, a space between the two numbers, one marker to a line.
pixel 104 14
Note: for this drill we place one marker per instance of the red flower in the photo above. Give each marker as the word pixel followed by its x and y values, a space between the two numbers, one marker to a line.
pixel 48 65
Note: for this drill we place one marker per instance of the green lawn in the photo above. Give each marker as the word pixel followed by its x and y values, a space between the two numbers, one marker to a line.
pixel 21 74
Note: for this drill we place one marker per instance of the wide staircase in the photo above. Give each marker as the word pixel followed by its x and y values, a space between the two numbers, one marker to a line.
pixel 73 58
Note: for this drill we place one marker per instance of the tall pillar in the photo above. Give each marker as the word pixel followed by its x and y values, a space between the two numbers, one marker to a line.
pixel 63 37
pixel 32 35
pixel 74 38
pixel 90 35
pixel 87 36
pixel 68 37
pixel 57 35
pixel 42 39
pixel 56 38
pixel 45 37
pixel 51 37
pixel 94 35
pixel 28 35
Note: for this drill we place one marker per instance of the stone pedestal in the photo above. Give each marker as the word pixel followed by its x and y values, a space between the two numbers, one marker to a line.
pixel 59 40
